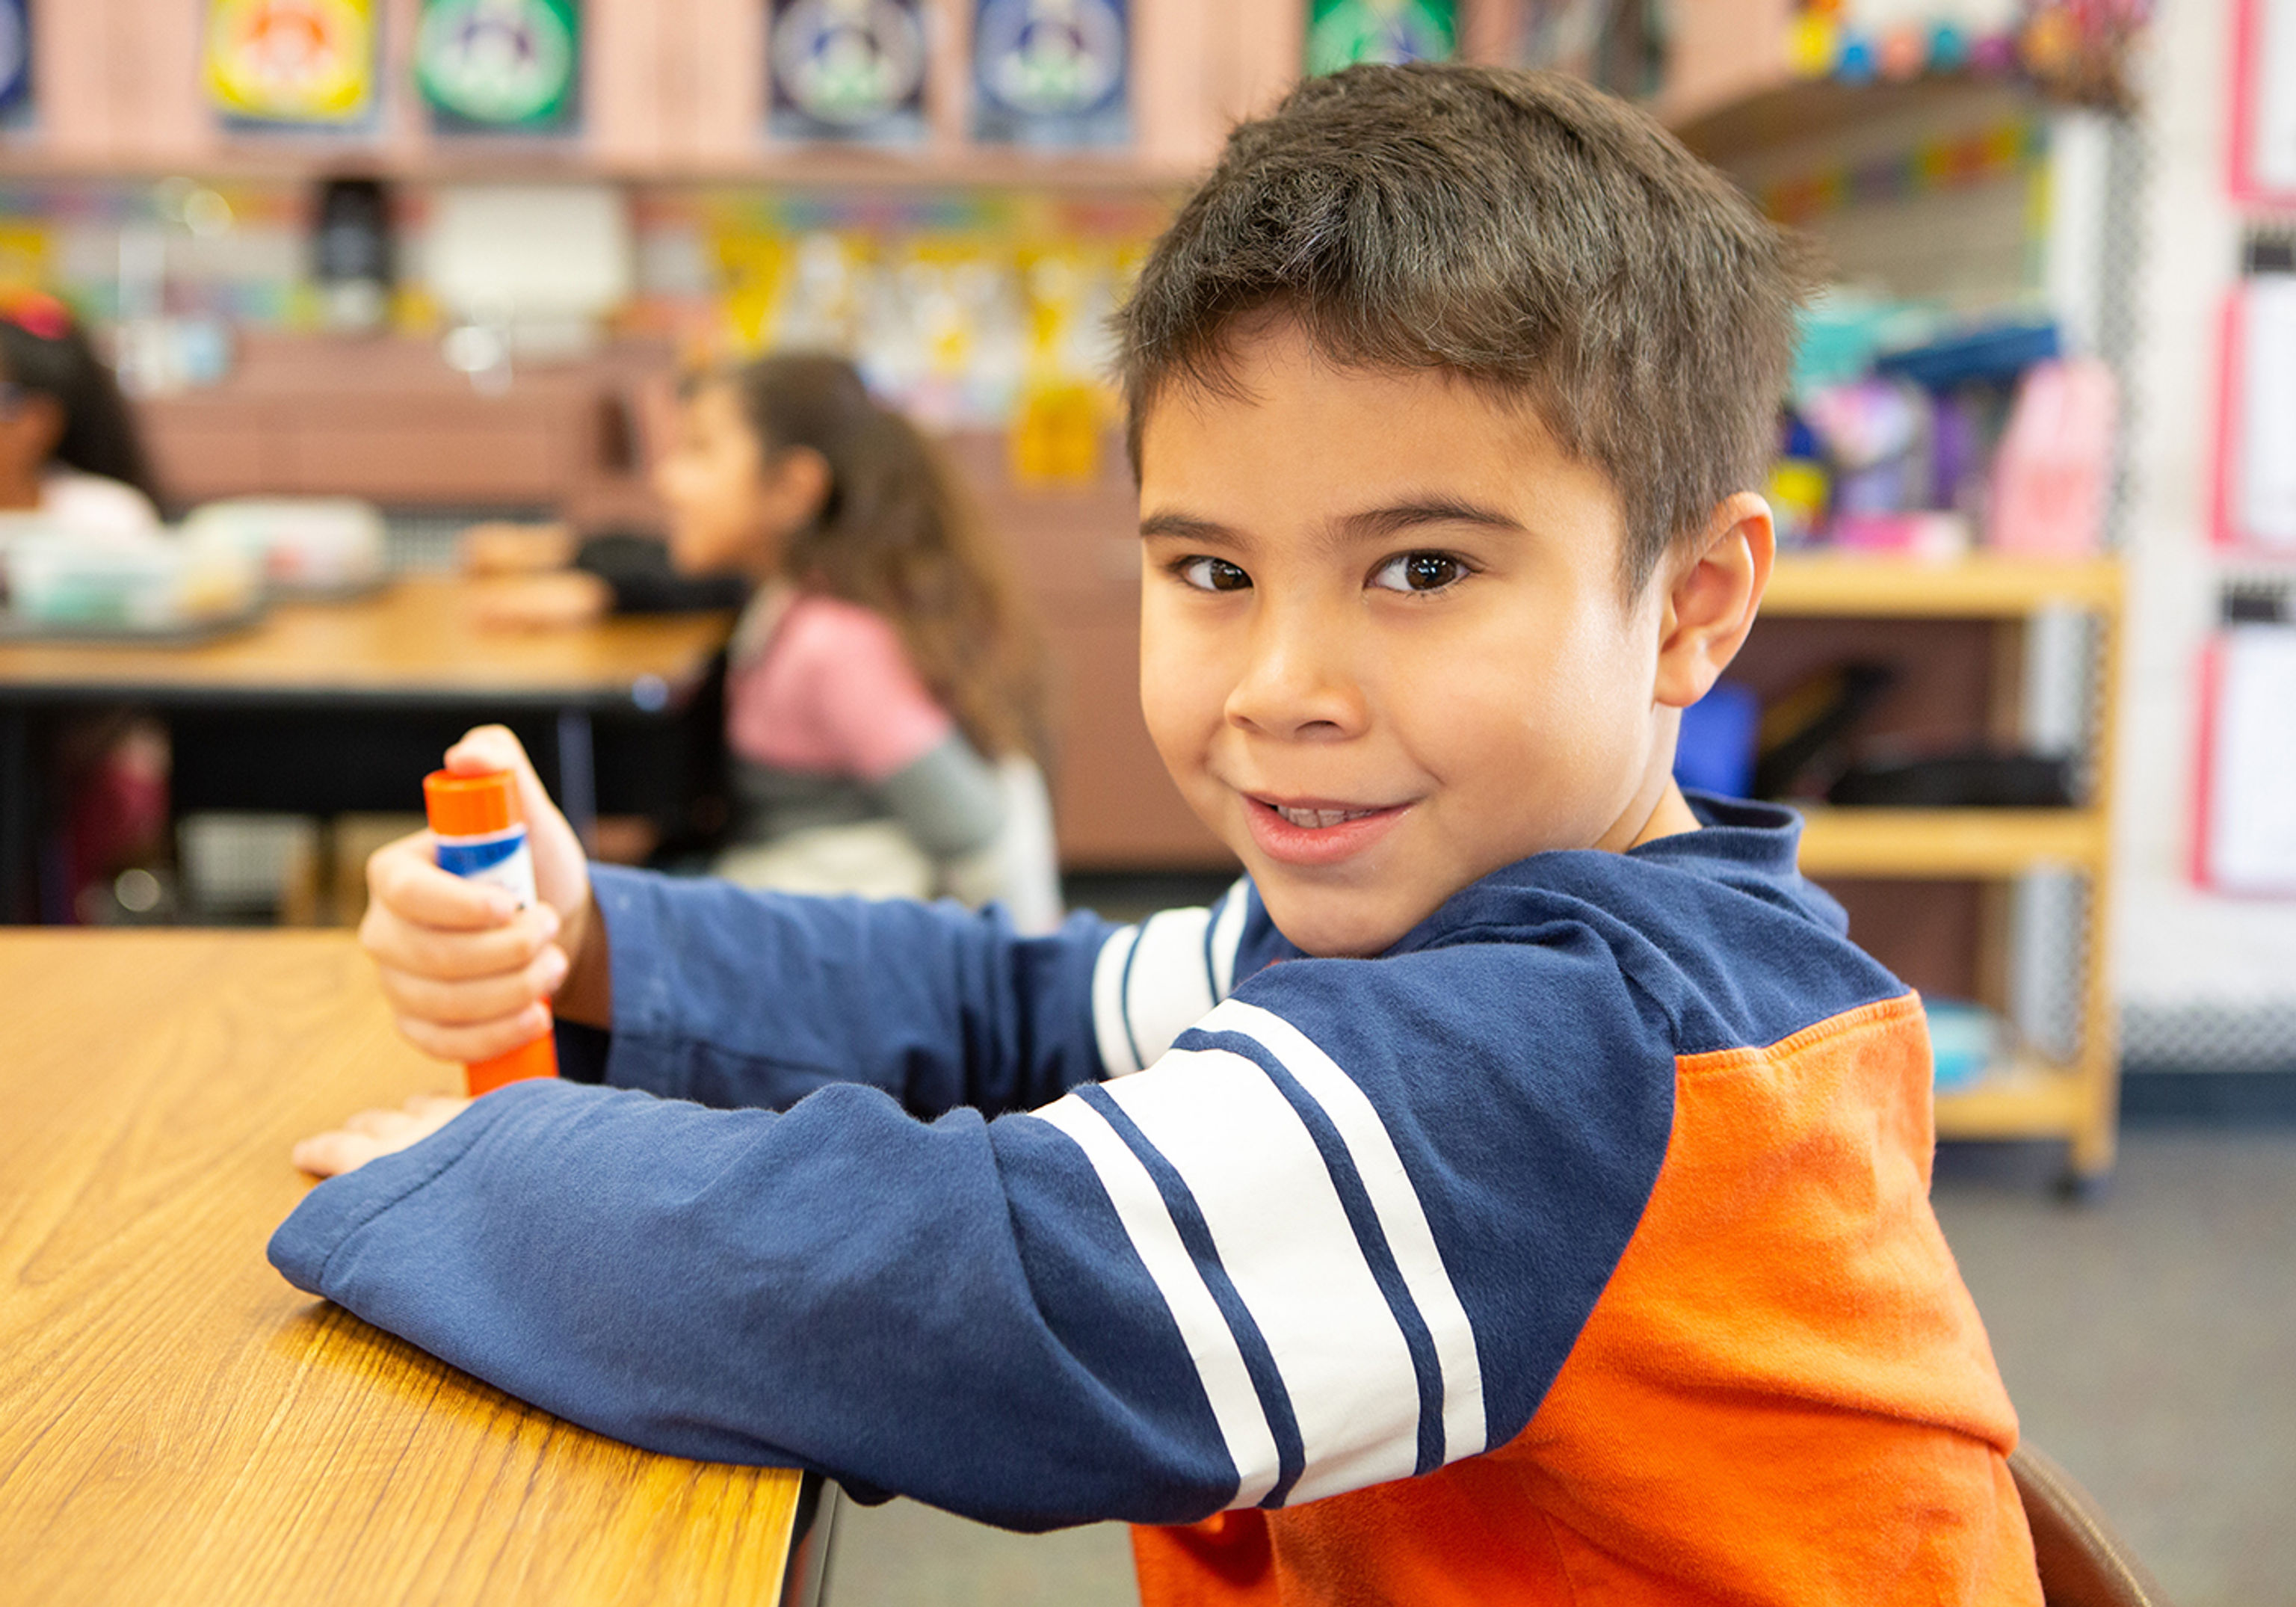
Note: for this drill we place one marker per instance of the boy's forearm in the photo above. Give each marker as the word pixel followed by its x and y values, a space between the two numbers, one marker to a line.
pixel 728 996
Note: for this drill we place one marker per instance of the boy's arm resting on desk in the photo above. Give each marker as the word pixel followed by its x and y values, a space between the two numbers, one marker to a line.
pixel 729 996
pixel 1287 1260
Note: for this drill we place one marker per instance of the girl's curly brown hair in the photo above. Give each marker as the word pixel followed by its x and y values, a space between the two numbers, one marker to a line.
pixel 897 534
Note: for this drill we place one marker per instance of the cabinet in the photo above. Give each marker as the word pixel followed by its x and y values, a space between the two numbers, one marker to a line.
pixel 2028 1095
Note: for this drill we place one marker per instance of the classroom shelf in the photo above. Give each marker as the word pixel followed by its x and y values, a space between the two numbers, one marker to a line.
pixel 1950 843
pixel 2024 1098
pixel 1976 587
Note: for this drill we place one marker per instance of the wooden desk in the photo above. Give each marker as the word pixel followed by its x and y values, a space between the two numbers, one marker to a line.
pixel 324 707
pixel 179 1425
pixel 417 636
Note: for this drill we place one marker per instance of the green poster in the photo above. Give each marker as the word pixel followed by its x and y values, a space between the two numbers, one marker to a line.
pixel 1341 33
pixel 508 65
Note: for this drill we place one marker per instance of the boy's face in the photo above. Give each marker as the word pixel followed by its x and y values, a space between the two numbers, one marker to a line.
pixel 1383 646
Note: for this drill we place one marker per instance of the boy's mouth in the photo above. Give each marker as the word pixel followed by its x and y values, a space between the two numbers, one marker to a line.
pixel 1319 817
pixel 1318 831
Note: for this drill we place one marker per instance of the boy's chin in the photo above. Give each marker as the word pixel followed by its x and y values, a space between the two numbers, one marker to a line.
pixel 1330 923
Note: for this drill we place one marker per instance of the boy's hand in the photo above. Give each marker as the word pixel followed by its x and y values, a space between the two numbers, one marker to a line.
pixel 468 976
pixel 373 1133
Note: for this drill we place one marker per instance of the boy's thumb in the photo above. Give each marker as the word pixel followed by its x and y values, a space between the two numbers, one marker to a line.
pixel 486 749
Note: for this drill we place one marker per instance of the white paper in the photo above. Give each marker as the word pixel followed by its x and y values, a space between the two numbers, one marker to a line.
pixel 2252 820
pixel 2266 443
pixel 2272 96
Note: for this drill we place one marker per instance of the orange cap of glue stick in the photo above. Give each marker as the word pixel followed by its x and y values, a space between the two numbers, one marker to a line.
pixel 469 806
pixel 478 806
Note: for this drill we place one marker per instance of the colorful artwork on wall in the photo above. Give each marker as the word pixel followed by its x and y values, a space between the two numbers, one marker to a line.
pixel 847 69
pixel 1341 33
pixel 293 61
pixel 502 65
pixel 1050 72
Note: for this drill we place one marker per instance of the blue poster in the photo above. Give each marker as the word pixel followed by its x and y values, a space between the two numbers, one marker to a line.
pixel 847 69
pixel 15 59
pixel 1051 72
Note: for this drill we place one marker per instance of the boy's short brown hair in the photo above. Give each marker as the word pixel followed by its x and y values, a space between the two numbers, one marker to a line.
pixel 1521 229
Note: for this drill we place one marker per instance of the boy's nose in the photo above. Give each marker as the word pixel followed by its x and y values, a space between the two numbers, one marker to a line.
pixel 1297 680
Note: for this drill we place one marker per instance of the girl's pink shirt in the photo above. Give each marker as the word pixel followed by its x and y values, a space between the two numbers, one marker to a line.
pixel 831 690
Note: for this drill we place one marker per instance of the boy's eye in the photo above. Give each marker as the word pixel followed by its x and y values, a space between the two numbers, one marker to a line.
pixel 1419 572
pixel 1214 575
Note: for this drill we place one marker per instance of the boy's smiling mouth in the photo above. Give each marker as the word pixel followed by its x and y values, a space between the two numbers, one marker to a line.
pixel 1311 832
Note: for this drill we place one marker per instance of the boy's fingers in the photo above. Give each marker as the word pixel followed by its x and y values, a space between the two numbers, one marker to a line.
pixel 396 944
pixel 331 1154
pixel 473 1000
pixel 405 880
pixel 479 1041
pixel 373 1133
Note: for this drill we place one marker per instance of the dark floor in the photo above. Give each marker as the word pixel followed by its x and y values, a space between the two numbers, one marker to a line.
pixel 2149 1339
pixel 2149 1344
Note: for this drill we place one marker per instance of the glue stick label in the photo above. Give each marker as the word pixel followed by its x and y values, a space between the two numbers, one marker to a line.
pixel 500 857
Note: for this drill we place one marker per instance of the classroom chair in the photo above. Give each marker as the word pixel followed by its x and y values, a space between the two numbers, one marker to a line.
pixel 2084 1563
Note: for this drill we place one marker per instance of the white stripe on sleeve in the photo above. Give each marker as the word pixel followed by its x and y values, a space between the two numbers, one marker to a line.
pixel 1397 1205
pixel 1167 991
pixel 1227 935
pixel 1108 1024
pixel 1211 1344
pixel 1284 1240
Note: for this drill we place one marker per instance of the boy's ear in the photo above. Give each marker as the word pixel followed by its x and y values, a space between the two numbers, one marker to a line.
pixel 1712 592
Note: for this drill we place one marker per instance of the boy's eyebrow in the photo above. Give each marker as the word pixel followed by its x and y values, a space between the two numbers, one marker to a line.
pixel 1431 510
pixel 1187 527
pixel 1371 524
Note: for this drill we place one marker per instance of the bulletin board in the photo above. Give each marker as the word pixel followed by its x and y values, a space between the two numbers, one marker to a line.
pixel 2263 143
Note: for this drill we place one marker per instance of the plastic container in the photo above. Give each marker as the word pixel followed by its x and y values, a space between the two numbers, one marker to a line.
pixel 64 578
pixel 482 838
pixel 314 544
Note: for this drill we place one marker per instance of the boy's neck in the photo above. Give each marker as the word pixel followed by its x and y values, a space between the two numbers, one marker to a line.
pixel 1668 815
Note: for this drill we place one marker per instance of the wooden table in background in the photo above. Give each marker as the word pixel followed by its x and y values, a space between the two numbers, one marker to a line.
pixel 178 1425
pixel 327 707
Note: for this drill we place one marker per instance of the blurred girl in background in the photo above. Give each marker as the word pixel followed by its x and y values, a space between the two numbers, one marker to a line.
pixel 68 449
pixel 885 688
pixel 71 459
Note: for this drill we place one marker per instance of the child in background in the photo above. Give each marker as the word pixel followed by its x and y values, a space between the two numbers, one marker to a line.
pixel 884 689
pixel 68 448
pixel 1550 1224
pixel 884 693
pixel 71 459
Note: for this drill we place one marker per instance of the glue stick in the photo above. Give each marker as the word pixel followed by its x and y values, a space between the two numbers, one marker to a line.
pixel 483 837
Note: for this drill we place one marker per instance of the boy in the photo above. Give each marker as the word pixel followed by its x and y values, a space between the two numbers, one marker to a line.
pixel 1550 1224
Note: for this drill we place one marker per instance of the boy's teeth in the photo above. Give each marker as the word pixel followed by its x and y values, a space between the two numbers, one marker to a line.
pixel 1313 818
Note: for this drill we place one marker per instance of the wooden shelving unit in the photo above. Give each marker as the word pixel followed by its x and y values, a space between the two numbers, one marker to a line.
pixel 1965 844
pixel 2027 1096
pixel 1849 586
